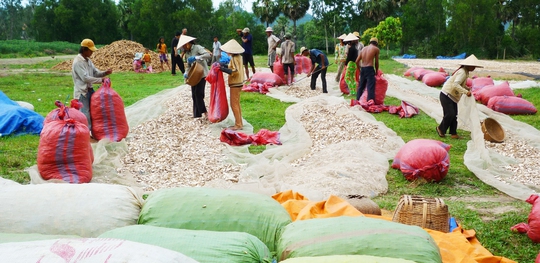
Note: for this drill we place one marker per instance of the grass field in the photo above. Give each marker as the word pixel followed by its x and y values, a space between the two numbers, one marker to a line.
pixel 493 229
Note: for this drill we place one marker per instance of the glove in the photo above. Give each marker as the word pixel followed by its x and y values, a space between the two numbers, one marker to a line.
pixel 226 70
pixel 185 75
pixel 197 57
pixel 191 59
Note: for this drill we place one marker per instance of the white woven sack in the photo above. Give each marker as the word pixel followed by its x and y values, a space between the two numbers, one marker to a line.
pixel 89 250
pixel 84 210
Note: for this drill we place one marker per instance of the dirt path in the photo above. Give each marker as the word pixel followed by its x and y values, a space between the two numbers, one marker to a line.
pixel 20 61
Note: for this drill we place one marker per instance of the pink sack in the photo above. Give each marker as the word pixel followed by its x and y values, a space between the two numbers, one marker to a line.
pixel 267 77
pixel 425 158
pixel 434 79
pixel 343 84
pixel 420 73
pixel 64 113
pixel 298 64
pixel 278 69
pixel 306 65
pixel 381 86
pixel 411 71
pixel 64 152
pixel 108 115
pixel 479 83
pixel 511 105
pixel 532 228
pixel 484 94
pixel 218 108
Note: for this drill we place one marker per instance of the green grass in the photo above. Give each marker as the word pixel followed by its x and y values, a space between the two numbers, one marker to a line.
pixel 28 48
pixel 493 230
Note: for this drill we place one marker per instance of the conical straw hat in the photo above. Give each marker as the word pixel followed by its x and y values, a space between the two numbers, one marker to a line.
pixel 471 61
pixel 184 40
pixel 350 37
pixel 342 36
pixel 232 47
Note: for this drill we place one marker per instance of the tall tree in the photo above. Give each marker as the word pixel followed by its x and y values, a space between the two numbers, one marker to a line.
pixel 424 24
pixel 10 21
pixel 294 10
pixel 266 10
pixel 389 32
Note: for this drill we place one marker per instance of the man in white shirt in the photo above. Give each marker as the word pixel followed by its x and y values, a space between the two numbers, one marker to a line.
pixel 273 42
pixel 84 74
pixel 216 52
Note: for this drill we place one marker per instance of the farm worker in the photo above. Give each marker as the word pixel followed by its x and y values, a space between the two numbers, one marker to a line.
pixel 273 42
pixel 352 54
pixel 247 44
pixel 195 54
pixel 320 58
pixel 451 93
pixel 359 44
pixel 162 49
pixel 84 74
pixel 236 79
pixel 176 59
pixel 340 53
pixel 216 51
pixel 287 57
pixel 365 61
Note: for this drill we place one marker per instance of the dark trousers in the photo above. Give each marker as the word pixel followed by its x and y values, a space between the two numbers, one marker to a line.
pixel 314 77
pixel 450 112
pixel 367 77
pixel 197 94
pixel 177 60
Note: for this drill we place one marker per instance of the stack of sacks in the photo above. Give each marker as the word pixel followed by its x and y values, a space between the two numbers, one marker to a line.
pixel 217 210
pixel 487 92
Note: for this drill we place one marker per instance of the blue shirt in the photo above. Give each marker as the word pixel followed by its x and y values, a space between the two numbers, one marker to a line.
pixel 248 46
pixel 314 55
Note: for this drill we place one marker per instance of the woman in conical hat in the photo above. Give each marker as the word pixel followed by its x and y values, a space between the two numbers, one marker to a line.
pixel 196 54
pixel 451 93
pixel 236 80
pixel 340 55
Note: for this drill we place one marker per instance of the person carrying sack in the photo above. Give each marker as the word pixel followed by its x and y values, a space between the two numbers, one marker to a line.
pixel 236 79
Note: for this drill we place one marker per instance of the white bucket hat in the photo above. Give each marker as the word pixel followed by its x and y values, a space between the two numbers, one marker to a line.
pixel 184 39
pixel 269 29
pixel 246 30
pixel 302 49
pixel 471 61
pixel 232 47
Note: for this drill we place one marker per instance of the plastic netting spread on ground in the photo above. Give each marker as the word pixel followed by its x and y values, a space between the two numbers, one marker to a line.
pixel 328 147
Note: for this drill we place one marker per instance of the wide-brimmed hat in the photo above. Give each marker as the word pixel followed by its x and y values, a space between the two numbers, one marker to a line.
pixel 374 39
pixel 350 37
pixel 184 39
pixel 288 36
pixel 471 61
pixel 342 36
pixel 302 49
pixel 89 44
pixel 268 29
pixel 356 34
pixel 232 46
pixel 195 74
pixel 246 30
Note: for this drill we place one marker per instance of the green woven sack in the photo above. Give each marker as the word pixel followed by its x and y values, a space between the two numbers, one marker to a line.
pixel 201 245
pixel 346 259
pixel 357 236
pixel 216 210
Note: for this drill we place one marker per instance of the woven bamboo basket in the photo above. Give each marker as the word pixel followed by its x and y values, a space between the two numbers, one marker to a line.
pixel 492 130
pixel 424 212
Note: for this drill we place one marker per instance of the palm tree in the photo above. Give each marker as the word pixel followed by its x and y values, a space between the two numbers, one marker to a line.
pixel 266 10
pixel 376 10
pixel 294 10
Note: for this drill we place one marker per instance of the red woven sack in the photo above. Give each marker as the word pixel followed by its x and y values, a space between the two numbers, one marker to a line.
pixel 267 77
pixel 342 84
pixel 235 138
pixel 511 105
pixel 423 158
pixel 410 71
pixel 434 79
pixel 218 108
pixel 107 112
pixel 532 228
pixel 381 86
pixel 420 73
pixel 264 137
pixel 298 64
pixel 306 65
pixel 278 69
pixel 484 94
pixel 479 83
pixel 64 112
pixel 64 152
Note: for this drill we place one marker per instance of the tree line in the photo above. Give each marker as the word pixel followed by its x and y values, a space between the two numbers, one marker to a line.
pixel 490 29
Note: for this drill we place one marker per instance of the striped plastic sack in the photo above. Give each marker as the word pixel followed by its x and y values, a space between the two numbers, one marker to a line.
pixel 107 113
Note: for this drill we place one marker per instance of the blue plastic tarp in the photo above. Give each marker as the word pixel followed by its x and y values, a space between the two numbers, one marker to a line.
pixel 460 56
pixel 17 120
pixel 406 56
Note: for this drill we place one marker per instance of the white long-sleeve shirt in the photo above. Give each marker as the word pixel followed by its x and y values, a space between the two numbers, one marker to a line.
pixel 84 74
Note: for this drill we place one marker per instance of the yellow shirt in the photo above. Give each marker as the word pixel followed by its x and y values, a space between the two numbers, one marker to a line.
pixel 146 58
pixel 163 49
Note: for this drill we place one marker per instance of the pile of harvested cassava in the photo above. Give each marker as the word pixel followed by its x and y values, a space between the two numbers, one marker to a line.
pixel 117 56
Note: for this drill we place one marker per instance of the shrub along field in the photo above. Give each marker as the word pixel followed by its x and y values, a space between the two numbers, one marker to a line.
pixel 474 204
